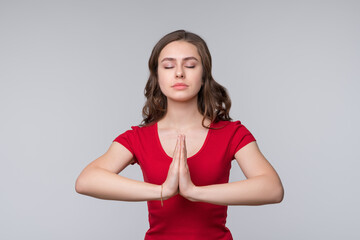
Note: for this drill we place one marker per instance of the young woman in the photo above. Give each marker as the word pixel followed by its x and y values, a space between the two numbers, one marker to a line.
pixel 184 147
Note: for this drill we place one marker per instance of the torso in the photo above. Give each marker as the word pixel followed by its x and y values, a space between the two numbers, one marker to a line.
pixel 211 153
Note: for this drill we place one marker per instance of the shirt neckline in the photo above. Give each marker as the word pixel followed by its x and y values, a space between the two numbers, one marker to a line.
pixel 193 156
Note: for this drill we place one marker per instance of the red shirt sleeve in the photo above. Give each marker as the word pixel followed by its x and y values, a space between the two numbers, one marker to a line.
pixel 241 137
pixel 127 140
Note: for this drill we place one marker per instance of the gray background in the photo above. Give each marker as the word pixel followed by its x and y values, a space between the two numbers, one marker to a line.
pixel 72 79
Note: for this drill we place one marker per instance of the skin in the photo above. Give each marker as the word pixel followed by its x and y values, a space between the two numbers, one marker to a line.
pixel 181 135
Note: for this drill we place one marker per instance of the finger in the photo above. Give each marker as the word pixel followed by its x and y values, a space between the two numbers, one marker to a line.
pixel 176 146
pixel 183 152
pixel 177 151
pixel 180 146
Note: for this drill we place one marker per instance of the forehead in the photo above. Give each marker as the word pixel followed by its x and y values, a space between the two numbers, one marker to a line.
pixel 179 49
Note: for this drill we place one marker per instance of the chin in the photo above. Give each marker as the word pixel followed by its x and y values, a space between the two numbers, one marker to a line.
pixel 182 99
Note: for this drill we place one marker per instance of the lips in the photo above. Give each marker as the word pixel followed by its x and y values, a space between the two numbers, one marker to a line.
pixel 179 85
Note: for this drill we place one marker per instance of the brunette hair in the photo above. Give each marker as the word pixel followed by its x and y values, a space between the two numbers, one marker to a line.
pixel 213 100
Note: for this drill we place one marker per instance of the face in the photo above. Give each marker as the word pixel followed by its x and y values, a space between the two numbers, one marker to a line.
pixel 180 71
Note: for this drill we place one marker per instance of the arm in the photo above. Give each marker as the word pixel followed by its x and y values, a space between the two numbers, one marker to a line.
pixel 262 186
pixel 100 179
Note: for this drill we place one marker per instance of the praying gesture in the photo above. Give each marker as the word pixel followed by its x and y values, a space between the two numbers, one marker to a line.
pixel 178 179
pixel 183 96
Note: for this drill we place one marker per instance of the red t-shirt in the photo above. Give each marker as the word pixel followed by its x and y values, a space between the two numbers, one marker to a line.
pixel 180 218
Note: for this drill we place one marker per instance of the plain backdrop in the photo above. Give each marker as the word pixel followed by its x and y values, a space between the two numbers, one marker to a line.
pixel 72 79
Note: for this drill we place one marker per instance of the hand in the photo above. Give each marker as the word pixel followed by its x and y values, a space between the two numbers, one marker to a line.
pixel 186 186
pixel 171 184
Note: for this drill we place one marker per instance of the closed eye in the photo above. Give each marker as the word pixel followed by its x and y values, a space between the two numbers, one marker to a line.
pixel 190 66
pixel 168 67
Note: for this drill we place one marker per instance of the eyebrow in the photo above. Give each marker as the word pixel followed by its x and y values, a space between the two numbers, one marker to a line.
pixel 184 59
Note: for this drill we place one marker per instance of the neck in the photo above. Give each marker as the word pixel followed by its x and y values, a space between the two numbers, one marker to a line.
pixel 182 115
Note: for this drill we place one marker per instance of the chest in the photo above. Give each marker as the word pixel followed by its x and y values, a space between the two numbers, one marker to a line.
pixel 194 141
pixel 207 155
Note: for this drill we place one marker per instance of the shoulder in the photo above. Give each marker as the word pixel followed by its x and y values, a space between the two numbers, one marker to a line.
pixel 138 131
pixel 230 128
pixel 235 134
pixel 141 128
pixel 135 131
pixel 144 128
pixel 227 125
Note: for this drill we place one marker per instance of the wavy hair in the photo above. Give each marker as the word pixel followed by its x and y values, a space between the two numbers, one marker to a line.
pixel 213 100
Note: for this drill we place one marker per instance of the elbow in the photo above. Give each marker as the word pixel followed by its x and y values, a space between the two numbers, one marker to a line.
pixel 278 193
pixel 275 190
pixel 83 182
pixel 80 185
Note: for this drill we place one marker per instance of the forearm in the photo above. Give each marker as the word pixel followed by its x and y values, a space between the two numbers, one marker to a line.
pixel 253 191
pixel 100 183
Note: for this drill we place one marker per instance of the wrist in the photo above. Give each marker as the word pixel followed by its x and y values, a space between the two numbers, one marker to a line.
pixel 165 194
pixel 161 194
pixel 192 194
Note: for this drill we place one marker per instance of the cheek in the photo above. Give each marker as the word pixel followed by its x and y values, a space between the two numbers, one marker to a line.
pixel 198 76
pixel 162 78
pixel 162 82
pixel 163 75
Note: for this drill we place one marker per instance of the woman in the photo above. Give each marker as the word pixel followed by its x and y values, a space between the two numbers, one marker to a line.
pixel 184 147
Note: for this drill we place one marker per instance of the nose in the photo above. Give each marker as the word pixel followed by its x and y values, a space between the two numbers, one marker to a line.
pixel 179 73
